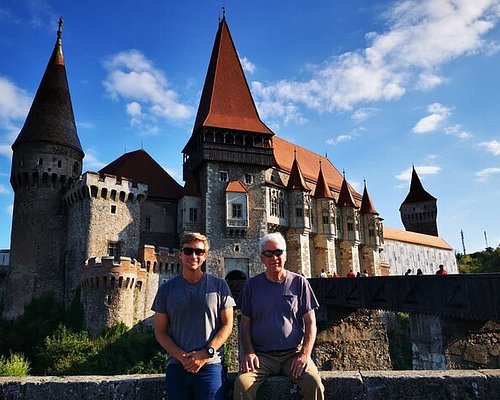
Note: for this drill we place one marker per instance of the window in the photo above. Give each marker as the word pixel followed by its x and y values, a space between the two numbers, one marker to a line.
pixel 147 224
pixel 193 215
pixel 350 226
pixel 326 220
pixel 299 212
pixel 223 177
pixel 237 210
pixel 114 249
pixel 113 209
pixel 248 179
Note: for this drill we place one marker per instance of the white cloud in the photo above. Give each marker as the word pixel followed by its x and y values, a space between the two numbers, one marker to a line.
pixel 487 173
pixel 14 103
pixel 421 171
pixel 363 114
pixel 340 139
pixel 247 65
pixel 4 189
pixel 458 131
pixel 438 114
pixel 85 125
pixel 9 209
pixel 421 36
pixel 6 150
pixel 493 147
pixel 91 162
pixel 133 78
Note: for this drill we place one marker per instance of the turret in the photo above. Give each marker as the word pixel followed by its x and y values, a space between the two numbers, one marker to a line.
pixel 47 158
pixel 419 209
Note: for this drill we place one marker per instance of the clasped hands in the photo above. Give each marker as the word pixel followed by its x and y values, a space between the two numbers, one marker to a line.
pixel 298 366
pixel 194 360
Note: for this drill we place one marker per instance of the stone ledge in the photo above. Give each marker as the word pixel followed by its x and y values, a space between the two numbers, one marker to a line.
pixel 339 385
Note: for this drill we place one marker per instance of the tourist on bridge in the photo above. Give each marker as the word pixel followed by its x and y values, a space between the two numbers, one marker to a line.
pixel 278 326
pixel 193 318
pixel 441 270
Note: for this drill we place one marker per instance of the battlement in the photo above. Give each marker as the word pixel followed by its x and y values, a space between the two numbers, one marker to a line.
pixel 106 187
pixel 162 260
pixel 112 273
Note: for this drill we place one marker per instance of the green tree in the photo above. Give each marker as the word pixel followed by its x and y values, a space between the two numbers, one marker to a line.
pixel 480 262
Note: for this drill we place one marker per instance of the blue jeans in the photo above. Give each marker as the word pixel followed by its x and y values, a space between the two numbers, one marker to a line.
pixel 206 384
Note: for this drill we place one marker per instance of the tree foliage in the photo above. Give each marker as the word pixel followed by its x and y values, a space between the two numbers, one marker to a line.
pixel 480 262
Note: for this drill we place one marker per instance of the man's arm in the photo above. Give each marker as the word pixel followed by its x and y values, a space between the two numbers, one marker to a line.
pixel 250 361
pixel 164 339
pixel 299 365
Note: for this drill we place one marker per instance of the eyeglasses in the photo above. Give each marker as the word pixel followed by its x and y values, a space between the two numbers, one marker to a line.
pixel 270 253
pixel 188 251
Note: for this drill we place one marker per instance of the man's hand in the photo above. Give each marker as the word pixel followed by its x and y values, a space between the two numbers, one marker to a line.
pixel 194 360
pixel 299 365
pixel 250 363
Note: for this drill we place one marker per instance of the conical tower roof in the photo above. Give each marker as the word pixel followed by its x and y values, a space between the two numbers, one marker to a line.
pixel 226 100
pixel 51 117
pixel 366 204
pixel 322 190
pixel 139 166
pixel 345 196
pixel 296 180
pixel 417 192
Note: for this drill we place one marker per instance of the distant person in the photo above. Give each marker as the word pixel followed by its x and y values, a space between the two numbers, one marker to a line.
pixel 193 318
pixel 408 272
pixel 278 326
pixel 419 272
pixel 365 273
pixel 323 274
pixel 351 274
pixel 441 270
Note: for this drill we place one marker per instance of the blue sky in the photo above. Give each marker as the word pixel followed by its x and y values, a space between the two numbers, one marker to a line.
pixel 378 86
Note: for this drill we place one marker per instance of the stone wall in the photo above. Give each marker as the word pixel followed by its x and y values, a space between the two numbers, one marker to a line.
pixel 350 385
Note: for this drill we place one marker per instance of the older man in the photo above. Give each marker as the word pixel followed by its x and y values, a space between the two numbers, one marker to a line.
pixel 193 318
pixel 278 326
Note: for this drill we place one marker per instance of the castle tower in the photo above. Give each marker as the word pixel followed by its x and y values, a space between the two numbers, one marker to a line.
pixel 371 236
pixel 229 143
pixel 348 234
pixel 299 206
pixel 47 158
pixel 324 242
pixel 419 209
pixel 189 209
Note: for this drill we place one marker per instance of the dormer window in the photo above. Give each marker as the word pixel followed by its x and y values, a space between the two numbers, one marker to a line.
pixel 223 176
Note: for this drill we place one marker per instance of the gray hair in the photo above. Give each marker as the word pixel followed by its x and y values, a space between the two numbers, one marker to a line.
pixel 275 237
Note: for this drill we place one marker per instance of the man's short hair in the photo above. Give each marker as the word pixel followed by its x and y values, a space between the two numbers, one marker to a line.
pixel 189 237
pixel 275 237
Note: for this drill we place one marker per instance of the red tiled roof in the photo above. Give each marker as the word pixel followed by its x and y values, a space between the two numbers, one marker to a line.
pixel 345 196
pixel 285 152
pixel 190 187
pixel 236 186
pixel 366 204
pixel 139 166
pixel 296 180
pixel 226 101
pixel 415 238
pixel 322 190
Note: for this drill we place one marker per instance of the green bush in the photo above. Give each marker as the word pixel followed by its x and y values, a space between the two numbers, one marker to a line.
pixel 15 365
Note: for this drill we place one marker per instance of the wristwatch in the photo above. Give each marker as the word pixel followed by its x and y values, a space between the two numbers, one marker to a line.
pixel 210 351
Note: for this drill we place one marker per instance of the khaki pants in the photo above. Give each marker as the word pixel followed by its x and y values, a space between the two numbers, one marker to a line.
pixel 278 363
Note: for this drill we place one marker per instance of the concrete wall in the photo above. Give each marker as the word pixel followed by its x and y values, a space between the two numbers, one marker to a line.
pixel 348 385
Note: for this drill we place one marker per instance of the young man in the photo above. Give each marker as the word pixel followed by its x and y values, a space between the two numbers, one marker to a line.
pixel 278 326
pixel 193 318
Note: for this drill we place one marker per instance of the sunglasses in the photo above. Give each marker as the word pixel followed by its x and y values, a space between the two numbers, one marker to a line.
pixel 189 251
pixel 270 253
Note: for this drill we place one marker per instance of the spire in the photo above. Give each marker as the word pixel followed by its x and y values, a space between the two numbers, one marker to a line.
pixel 366 203
pixel 417 192
pixel 226 100
pixel 51 117
pixel 296 179
pixel 322 190
pixel 345 195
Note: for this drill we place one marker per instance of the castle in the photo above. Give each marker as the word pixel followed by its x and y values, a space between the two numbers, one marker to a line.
pixel 109 238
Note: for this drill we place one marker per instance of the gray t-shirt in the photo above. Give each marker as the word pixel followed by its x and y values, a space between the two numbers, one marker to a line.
pixel 276 310
pixel 193 311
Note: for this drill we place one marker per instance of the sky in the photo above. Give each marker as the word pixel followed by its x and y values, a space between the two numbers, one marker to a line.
pixel 377 86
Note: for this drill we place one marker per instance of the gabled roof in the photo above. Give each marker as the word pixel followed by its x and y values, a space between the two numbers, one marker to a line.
pixel 51 117
pixel 139 166
pixel 285 152
pixel 415 238
pixel 226 101
pixel 322 190
pixel 417 192
pixel 345 196
pixel 236 187
pixel 296 180
pixel 366 204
